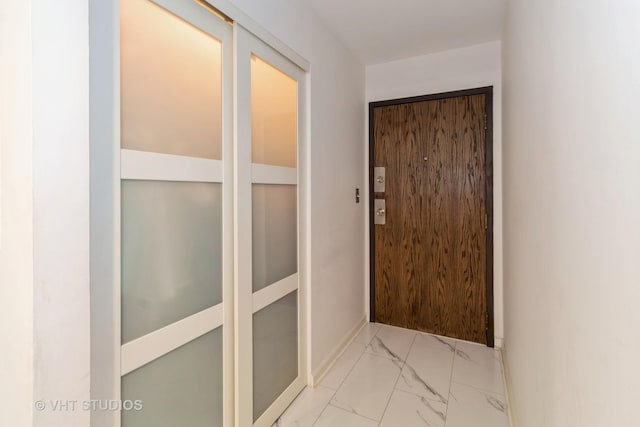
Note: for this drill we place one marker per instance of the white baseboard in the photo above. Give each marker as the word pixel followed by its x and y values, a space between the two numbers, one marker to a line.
pixel 327 363
pixel 508 388
pixel 498 342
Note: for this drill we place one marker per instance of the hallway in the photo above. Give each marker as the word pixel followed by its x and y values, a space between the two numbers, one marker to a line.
pixel 193 306
pixel 393 377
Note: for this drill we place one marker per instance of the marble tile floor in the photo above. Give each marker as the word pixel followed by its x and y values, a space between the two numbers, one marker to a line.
pixel 394 377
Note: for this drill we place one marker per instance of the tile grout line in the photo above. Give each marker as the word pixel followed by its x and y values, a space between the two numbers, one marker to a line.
pixel 395 385
pixel 451 382
pixel 503 394
pixel 360 357
pixel 484 390
pixel 418 395
pixel 405 364
pixel 351 368
pixel 402 365
pixel 325 406
pixel 453 365
pixel 345 377
pixel 505 386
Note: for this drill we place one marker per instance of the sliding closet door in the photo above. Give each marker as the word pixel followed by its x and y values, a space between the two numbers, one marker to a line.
pixel 270 305
pixel 176 195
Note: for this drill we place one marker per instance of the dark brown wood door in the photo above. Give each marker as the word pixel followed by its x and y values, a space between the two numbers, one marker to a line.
pixel 430 257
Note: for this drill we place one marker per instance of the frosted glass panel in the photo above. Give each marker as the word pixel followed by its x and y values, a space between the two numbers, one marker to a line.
pixel 275 351
pixel 181 388
pixel 171 79
pixel 275 236
pixel 274 115
pixel 171 253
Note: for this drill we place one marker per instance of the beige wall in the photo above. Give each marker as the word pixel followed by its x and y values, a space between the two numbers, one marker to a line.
pixel 572 211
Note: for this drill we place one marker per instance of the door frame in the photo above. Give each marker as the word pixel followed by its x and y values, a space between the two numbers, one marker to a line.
pixel 248 302
pixel 488 92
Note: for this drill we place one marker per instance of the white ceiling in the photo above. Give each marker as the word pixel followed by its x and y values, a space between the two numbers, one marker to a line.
pixel 384 30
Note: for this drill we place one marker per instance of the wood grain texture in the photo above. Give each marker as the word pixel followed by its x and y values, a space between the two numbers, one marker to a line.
pixel 430 256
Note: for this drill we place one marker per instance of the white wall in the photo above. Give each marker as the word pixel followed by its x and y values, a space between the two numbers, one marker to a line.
pixel 572 211
pixel 337 168
pixel 61 207
pixel 16 215
pixel 44 264
pixel 452 70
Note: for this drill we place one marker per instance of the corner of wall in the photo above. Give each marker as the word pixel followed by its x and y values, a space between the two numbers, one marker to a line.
pixel 325 366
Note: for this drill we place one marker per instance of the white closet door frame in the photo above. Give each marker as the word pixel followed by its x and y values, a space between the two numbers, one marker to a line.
pixel 154 166
pixel 109 166
pixel 246 173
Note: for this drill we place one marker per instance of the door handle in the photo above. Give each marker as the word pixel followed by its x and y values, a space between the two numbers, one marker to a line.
pixel 380 178
pixel 380 211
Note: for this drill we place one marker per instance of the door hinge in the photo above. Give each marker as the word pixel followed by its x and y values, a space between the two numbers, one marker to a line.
pixel 486 222
pixel 487 321
pixel 486 122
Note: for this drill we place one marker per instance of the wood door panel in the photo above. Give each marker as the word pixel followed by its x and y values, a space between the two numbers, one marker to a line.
pixel 397 264
pixel 430 256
